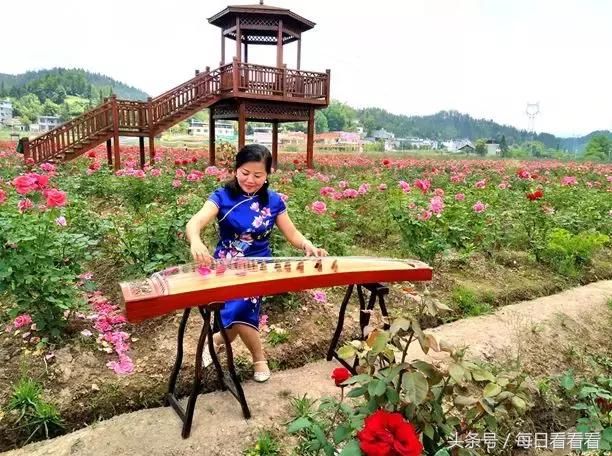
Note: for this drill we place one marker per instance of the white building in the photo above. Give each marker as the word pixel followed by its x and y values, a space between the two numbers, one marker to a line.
pixel 46 123
pixel 223 129
pixel 6 111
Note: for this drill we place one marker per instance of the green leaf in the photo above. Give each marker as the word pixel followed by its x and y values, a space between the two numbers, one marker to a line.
pixel 481 375
pixel 356 392
pixel 399 324
pixel 607 434
pixel 351 449
pixel 428 430
pixel 465 400
pixel 392 395
pixel 415 387
pixel 567 381
pixel 346 352
pixel 456 372
pixel 298 425
pixel 442 452
pixel 519 403
pixel 491 390
pixel 380 342
pixel 341 433
pixel 377 388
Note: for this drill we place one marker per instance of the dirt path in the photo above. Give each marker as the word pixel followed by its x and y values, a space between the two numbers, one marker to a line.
pixel 218 425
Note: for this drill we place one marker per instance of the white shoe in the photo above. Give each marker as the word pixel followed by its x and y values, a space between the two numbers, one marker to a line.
pixel 206 357
pixel 261 376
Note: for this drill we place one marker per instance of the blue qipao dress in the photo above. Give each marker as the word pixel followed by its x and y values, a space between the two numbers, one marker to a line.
pixel 245 226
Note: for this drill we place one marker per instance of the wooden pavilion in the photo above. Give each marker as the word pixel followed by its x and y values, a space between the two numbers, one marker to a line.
pixel 238 90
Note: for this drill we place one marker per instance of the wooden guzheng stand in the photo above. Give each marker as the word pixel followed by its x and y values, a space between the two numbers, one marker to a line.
pixel 207 288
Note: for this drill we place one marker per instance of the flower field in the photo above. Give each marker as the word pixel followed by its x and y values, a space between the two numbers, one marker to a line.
pixel 71 232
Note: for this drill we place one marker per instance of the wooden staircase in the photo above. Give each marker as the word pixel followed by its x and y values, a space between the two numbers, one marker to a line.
pixel 115 117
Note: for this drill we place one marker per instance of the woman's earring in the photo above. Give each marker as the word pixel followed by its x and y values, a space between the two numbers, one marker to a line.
pixel 266 181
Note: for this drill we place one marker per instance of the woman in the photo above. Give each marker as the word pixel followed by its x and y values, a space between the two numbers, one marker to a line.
pixel 246 210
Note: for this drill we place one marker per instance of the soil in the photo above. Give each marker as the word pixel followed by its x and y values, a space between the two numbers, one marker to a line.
pixel 542 336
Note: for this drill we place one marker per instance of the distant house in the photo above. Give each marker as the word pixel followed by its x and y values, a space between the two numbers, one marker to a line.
pixel 466 147
pixel 223 129
pixel 337 137
pixel 386 137
pixel 45 123
pixel 6 111
pixel 493 148
pixel 294 138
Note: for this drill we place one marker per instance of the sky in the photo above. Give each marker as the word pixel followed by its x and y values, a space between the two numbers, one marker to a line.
pixel 485 58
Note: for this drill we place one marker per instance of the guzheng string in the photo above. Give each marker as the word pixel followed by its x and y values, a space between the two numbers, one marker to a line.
pixel 243 265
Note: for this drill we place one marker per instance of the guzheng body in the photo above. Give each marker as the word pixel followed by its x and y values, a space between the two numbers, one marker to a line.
pixel 191 285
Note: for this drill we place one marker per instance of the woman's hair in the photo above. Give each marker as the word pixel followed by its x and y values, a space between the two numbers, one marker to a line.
pixel 252 153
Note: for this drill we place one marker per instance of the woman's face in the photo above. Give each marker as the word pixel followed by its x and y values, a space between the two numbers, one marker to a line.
pixel 251 176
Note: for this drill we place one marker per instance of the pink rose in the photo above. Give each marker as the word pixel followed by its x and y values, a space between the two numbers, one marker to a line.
pixel 479 207
pixel 25 184
pixel 22 320
pixel 55 198
pixel 318 207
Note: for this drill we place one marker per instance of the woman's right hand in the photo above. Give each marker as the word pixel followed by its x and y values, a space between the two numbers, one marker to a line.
pixel 200 254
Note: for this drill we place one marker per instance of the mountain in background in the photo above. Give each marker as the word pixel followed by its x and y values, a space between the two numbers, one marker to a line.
pixel 59 85
pixel 56 83
pixel 446 125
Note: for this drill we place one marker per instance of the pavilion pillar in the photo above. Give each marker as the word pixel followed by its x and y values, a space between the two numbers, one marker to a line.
pixel 142 151
pixel 275 144
pixel 222 47
pixel 310 139
pixel 151 150
pixel 109 152
pixel 241 125
pixel 238 40
pixel 115 114
pixel 211 137
pixel 279 45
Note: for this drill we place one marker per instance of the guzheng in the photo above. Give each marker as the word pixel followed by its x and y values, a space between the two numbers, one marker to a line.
pixel 191 285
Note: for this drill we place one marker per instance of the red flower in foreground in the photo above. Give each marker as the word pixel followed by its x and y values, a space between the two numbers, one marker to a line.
pixel 388 434
pixel 340 375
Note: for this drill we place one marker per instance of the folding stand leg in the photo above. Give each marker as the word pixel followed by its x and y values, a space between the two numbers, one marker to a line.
pixel 186 415
pixel 376 290
pixel 231 381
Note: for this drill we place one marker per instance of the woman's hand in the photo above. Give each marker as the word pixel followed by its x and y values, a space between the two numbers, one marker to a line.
pixel 311 250
pixel 200 253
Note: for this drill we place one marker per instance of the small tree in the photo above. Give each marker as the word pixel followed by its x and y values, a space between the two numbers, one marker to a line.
pixel 598 148
pixel 503 146
pixel 481 147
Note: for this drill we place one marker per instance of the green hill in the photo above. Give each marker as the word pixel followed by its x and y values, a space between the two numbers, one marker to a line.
pixel 57 83
pixel 443 125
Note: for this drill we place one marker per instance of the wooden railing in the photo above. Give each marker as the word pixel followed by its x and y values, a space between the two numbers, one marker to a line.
pixel 98 121
pixel 139 118
pixel 253 79
pixel 133 116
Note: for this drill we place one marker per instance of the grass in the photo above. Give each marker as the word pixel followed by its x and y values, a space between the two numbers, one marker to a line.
pixel 466 300
pixel 265 445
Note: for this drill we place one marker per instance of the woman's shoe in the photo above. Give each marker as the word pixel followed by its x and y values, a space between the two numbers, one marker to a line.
pixel 206 358
pixel 261 376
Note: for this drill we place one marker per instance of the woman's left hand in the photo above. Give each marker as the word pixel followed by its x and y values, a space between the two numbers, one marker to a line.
pixel 311 250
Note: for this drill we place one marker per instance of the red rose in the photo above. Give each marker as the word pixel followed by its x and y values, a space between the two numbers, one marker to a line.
pixel 91 154
pixel 340 375
pixel 535 195
pixel 177 162
pixel 194 159
pixel 388 434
